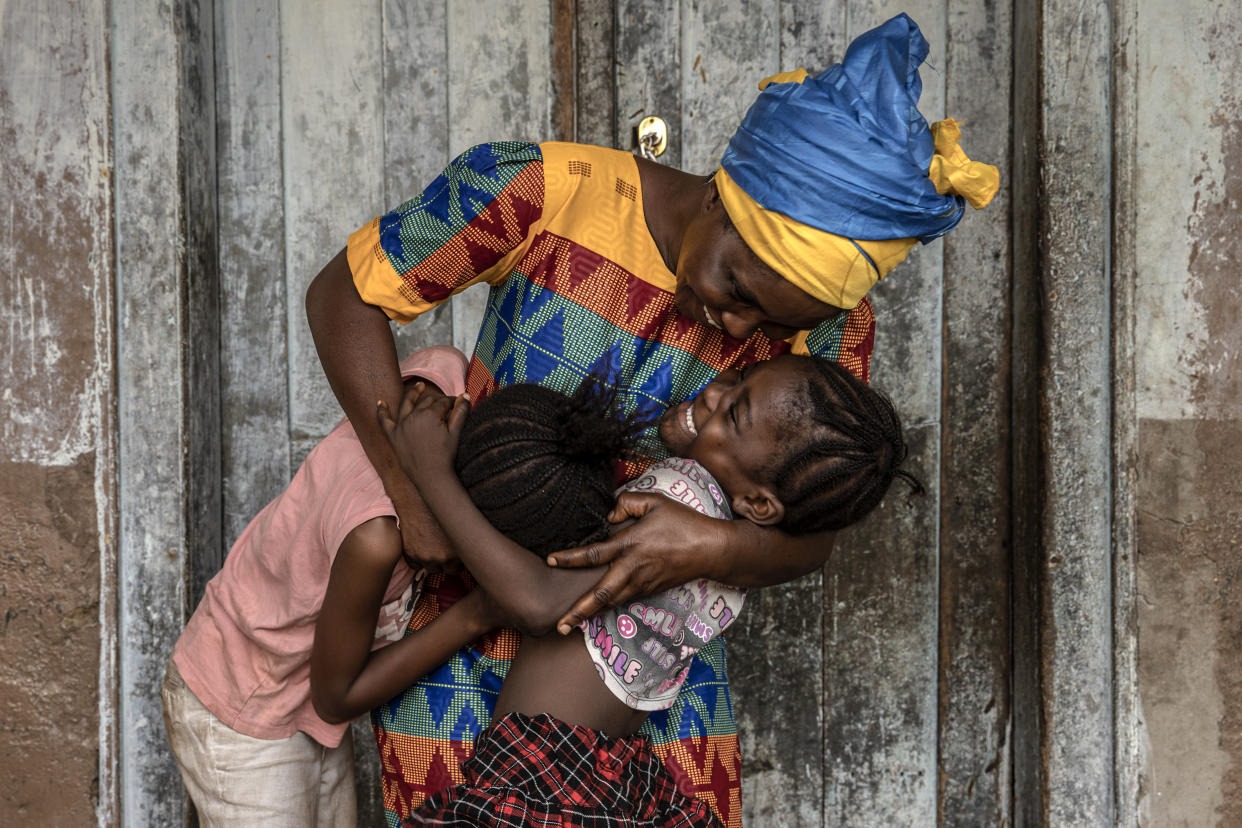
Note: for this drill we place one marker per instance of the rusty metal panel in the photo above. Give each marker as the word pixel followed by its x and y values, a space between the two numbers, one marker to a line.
pixel 57 455
pixel 1076 618
pixel 879 668
pixel 974 746
pixel 416 133
pixel 163 133
pixel 1186 247
pixel 331 68
pixel 648 55
pixel 499 89
pixel 253 348
pixel 595 90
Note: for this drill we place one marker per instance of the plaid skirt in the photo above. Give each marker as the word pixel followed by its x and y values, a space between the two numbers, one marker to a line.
pixel 539 771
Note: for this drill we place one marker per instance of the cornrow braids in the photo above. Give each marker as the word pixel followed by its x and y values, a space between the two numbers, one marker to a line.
pixel 541 466
pixel 845 451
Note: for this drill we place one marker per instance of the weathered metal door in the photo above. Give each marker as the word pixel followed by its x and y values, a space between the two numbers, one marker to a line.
pixel 878 689
pixel 1066 362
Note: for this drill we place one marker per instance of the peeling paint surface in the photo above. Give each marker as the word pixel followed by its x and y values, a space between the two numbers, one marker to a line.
pixel 53 231
pixel 331 73
pixel 1189 534
pixel 880 652
pixel 155 249
pixel 503 96
pixel 56 466
pixel 1184 162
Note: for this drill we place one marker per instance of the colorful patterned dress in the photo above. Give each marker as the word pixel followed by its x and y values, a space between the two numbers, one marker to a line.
pixel 558 232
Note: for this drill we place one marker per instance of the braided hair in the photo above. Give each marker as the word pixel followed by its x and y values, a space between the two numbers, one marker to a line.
pixel 843 450
pixel 541 466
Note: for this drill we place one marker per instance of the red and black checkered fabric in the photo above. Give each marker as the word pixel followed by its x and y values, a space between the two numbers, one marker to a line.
pixel 539 771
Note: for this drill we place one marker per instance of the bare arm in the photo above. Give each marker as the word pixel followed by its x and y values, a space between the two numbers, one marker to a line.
pixel 671 544
pixel 525 589
pixel 347 678
pixel 359 357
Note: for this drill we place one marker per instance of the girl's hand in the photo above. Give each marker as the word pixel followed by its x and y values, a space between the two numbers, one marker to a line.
pixel 425 432
pixel 486 613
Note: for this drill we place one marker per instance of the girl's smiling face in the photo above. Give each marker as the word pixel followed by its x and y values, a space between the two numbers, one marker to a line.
pixel 734 428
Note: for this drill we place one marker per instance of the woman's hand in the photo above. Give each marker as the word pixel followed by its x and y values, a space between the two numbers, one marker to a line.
pixel 422 539
pixel 669 545
pixel 425 432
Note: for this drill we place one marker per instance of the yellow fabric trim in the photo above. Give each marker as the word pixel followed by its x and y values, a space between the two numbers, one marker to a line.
pixel 608 216
pixel 374 277
pixel 953 172
pixel 379 284
pixel 826 266
pixel 796 76
pixel 797 343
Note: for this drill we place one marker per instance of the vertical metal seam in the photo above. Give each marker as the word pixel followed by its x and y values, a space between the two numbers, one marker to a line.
pixel 382 115
pixel 1123 430
pixel 937 651
pixel 118 763
pixel 284 229
pixel 1110 480
pixel 185 357
pixel 107 492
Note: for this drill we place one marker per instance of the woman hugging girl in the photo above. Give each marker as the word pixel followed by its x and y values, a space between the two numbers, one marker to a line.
pixel 302 629
pixel 796 442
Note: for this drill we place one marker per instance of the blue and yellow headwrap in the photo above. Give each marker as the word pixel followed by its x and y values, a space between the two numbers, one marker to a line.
pixel 831 179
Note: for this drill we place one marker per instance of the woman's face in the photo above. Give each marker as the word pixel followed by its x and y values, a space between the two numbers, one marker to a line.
pixel 721 283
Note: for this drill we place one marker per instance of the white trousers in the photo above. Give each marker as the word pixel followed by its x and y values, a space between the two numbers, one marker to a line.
pixel 237 780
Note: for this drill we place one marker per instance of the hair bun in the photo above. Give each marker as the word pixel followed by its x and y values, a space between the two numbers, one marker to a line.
pixel 592 426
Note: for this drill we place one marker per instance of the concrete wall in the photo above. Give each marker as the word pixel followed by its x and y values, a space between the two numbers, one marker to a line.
pixel 1050 637
pixel 57 431
pixel 1185 173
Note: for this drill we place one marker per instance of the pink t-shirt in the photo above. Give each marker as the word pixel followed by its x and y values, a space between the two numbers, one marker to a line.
pixel 246 651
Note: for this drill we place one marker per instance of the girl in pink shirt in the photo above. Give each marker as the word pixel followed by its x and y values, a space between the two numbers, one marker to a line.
pixel 256 707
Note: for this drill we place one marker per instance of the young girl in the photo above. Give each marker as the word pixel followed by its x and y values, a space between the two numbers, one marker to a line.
pixel 312 587
pixel 796 442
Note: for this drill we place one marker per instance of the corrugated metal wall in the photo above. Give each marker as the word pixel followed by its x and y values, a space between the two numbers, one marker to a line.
pixel 1066 362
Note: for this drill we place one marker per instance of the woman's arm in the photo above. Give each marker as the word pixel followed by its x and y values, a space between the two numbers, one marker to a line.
pixel 359 357
pixel 671 544
pixel 525 589
pixel 347 678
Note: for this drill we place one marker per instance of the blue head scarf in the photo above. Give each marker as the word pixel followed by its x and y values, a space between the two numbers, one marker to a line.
pixel 847 151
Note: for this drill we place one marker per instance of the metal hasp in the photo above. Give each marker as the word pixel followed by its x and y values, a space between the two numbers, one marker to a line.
pixel 652 137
